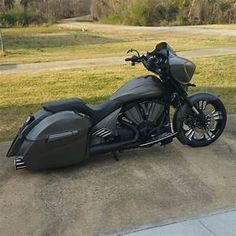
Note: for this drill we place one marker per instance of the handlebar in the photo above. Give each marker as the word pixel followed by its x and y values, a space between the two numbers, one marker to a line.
pixel 135 59
pixel 128 59
pixel 150 61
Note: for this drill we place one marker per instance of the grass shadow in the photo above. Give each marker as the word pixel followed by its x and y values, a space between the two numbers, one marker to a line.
pixel 40 42
pixel 7 67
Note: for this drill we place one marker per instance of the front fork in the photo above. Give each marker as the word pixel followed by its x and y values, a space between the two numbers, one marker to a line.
pixel 178 102
pixel 195 109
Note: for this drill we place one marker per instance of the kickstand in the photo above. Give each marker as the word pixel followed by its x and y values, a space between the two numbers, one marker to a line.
pixel 115 156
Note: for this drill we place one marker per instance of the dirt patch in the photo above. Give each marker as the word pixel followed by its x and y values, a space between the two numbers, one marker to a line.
pixel 82 63
pixel 178 29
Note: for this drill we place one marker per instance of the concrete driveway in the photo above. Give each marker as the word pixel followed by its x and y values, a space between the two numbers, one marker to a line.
pixel 102 196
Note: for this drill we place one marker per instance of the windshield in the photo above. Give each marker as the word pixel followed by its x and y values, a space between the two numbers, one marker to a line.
pixel 162 48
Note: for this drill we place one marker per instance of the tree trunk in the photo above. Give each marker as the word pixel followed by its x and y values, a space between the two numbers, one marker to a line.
pixel 2 44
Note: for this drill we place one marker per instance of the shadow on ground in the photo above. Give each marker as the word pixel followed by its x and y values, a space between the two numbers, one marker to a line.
pixel 41 42
pixel 7 67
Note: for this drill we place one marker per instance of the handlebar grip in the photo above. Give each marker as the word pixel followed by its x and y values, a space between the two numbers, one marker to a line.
pixel 128 59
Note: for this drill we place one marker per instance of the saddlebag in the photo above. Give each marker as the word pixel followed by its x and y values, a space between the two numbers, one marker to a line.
pixel 56 140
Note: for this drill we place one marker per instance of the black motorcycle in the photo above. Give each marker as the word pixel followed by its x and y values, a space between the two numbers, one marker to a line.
pixel 138 115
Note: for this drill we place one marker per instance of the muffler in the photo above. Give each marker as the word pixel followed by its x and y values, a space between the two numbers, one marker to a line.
pixel 19 163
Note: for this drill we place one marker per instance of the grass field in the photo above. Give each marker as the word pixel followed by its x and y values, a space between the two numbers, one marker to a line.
pixel 42 44
pixel 219 26
pixel 23 94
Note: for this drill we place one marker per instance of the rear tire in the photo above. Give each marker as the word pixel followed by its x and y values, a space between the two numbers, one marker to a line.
pixel 199 131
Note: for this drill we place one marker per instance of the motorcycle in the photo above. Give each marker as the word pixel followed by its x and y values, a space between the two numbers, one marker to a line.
pixel 67 132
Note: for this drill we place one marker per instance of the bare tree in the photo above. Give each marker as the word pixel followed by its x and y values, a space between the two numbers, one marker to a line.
pixel 8 4
pixel 2 43
pixel 25 4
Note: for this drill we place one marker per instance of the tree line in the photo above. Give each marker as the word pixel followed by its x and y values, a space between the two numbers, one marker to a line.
pixel 164 12
pixel 24 12
pixel 132 12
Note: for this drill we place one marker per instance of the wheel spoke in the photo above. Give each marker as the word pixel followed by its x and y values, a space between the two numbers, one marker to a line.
pixel 186 127
pixel 190 134
pixel 217 115
pixel 209 135
pixel 202 105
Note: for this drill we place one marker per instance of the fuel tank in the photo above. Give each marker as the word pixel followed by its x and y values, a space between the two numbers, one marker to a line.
pixel 141 88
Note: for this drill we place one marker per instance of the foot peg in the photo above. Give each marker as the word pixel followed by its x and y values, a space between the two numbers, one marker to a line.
pixel 163 138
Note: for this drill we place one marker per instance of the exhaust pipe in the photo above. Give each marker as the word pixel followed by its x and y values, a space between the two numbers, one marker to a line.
pixel 19 163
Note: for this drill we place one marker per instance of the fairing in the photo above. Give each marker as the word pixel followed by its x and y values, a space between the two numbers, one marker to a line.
pixel 164 49
pixel 181 69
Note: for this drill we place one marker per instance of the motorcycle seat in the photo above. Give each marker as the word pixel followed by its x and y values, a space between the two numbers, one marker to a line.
pixel 73 104
pixel 95 112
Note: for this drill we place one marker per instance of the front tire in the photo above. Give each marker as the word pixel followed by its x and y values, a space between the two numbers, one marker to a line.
pixel 201 130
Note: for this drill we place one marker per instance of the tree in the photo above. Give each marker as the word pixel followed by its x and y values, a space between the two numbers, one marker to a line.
pixel 25 4
pixel 8 4
pixel 2 43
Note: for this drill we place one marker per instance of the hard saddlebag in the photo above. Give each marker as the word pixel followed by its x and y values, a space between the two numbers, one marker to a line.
pixel 58 140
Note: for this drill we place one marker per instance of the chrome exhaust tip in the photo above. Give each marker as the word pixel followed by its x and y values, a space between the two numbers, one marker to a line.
pixel 19 163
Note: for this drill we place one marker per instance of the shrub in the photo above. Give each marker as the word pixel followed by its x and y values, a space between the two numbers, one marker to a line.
pixel 112 19
pixel 18 17
pixel 139 13
pixel 156 12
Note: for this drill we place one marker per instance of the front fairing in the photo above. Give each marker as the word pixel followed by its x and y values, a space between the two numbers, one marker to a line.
pixel 163 49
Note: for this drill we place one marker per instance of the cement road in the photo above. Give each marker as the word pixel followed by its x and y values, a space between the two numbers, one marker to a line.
pixel 105 61
pixel 72 23
pixel 145 188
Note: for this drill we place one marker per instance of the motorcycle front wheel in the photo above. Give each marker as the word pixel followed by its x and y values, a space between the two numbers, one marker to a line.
pixel 201 130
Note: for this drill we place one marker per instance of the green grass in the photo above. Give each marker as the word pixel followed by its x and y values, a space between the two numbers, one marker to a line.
pixel 42 44
pixel 219 26
pixel 23 94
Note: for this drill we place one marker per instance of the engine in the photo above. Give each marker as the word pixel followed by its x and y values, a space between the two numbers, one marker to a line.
pixel 146 116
